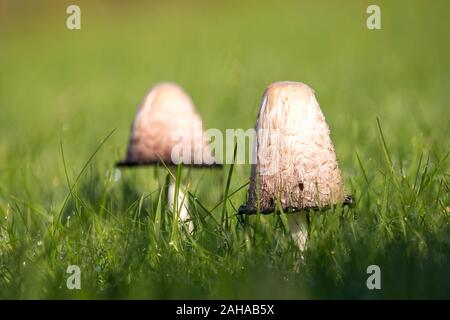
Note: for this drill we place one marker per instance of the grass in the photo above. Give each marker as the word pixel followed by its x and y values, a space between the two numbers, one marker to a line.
pixel 67 99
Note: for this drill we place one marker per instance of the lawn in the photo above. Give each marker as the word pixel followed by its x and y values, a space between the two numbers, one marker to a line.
pixel 68 98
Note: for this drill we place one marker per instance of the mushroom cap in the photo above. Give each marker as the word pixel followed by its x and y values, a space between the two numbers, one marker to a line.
pixel 296 164
pixel 167 129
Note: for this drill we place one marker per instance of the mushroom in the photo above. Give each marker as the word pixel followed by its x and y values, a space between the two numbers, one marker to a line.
pixel 168 129
pixel 296 168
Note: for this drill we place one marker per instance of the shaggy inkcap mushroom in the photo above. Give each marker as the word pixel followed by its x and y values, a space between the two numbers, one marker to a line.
pixel 165 126
pixel 296 167
pixel 167 129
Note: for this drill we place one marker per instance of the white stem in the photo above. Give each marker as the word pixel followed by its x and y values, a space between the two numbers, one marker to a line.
pixel 183 206
pixel 298 225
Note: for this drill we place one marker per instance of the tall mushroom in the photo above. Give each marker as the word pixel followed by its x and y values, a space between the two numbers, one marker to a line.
pixel 296 167
pixel 168 129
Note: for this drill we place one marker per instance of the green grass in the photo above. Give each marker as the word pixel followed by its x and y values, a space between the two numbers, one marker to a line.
pixel 67 99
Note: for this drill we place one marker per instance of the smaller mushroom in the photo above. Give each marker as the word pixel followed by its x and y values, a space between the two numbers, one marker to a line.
pixel 166 118
pixel 182 204
pixel 296 168
pixel 167 129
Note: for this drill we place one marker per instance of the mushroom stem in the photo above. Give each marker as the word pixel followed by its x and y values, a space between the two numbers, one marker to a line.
pixel 298 226
pixel 182 206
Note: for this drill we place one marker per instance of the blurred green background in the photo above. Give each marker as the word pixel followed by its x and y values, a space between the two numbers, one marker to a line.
pixel 75 86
